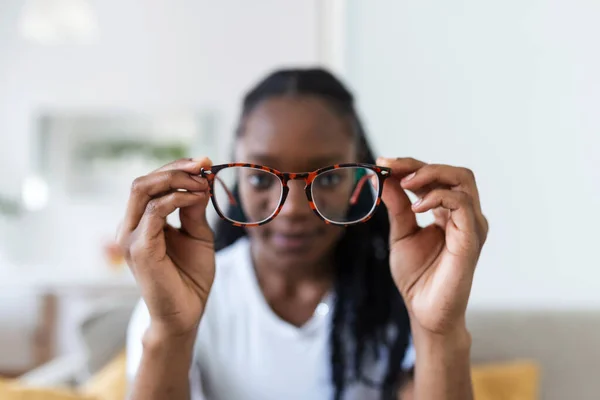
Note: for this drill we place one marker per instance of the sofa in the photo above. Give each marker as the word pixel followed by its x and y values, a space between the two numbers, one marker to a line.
pixel 565 345
pixel 517 355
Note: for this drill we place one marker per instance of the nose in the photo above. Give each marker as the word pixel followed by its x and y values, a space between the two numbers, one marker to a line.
pixel 296 204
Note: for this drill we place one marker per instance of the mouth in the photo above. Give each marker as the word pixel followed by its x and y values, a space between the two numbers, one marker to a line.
pixel 293 241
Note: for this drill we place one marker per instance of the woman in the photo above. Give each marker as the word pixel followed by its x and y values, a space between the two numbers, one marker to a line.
pixel 297 308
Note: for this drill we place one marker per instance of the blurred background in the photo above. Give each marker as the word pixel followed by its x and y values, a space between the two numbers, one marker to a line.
pixel 94 93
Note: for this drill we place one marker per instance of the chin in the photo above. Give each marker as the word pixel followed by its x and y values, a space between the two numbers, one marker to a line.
pixel 295 255
pixel 298 250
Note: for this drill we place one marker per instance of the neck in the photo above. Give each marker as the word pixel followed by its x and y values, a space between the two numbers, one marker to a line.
pixel 292 290
pixel 271 270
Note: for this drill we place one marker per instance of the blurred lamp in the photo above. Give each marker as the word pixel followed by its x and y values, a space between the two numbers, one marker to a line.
pixel 52 22
pixel 34 193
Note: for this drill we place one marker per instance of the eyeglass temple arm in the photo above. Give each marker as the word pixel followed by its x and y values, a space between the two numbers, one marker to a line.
pixel 232 201
pixel 358 189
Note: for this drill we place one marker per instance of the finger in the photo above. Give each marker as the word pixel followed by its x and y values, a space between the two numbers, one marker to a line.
pixel 401 167
pixel 159 283
pixel 434 176
pixel 183 251
pixel 431 175
pixel 422 191
pixel 460 205
pixel 155 217
pixel 441 216
pixel 147 187
pixel 194 222
pixel 403 221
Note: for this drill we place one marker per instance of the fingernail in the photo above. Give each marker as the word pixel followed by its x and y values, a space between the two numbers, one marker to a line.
pixel 199 193
pixel 409 177
pixel 202 161
pixel 418 202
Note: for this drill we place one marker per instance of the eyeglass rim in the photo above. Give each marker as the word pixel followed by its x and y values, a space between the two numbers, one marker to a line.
pixel 382 173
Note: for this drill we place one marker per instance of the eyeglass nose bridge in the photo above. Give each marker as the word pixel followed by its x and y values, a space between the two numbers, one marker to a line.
pixel 308 178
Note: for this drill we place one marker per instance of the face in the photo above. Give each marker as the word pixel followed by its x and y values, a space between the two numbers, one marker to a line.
pixel 293 134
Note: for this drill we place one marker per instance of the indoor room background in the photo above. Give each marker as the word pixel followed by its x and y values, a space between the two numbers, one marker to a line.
pixel 509 89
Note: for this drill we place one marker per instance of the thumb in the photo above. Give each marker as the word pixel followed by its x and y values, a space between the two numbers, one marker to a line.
pixel 193 219
pixel 403 221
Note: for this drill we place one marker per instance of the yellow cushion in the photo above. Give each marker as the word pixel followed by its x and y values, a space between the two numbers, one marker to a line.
pixel 519 380
pixel 507 381
pixel 110 383
pixel 12 390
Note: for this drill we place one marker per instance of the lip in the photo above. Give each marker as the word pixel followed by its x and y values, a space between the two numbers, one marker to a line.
pixel 292 241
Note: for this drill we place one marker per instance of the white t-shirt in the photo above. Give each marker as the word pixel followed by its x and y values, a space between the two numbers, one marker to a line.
pixel 245 351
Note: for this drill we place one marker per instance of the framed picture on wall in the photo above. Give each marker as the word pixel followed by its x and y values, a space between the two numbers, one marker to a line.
pixel 99 154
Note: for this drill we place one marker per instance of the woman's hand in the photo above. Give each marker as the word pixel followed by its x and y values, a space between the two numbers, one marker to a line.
pixel 433 267
pixel 174 268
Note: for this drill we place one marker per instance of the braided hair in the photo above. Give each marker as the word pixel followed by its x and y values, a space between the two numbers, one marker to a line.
pixel 369 313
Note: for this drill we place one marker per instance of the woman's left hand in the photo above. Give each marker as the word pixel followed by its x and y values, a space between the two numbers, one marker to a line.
pixel 433 267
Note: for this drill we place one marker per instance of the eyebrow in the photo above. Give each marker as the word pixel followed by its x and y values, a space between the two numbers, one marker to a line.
pixel 316 162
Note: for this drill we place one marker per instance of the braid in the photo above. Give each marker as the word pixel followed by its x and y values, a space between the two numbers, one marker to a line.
pixel 368 305
pixel 338 367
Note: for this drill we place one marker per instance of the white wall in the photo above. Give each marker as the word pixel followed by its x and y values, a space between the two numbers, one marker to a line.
pixel 510 89
pixel 151 55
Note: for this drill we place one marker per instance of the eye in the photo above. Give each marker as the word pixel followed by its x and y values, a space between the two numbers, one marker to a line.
pixel 330 179
pixel 261 181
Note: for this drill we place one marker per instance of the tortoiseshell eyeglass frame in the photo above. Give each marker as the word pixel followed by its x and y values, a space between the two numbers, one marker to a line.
pixel 308 177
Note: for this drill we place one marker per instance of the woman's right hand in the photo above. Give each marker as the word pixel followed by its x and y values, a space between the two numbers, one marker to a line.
pixel 174 268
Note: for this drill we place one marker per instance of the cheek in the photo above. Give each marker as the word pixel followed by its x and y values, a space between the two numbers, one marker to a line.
pixel 257 232
pixel 327 242
pixel 337 197
pixel 259 204
pixel 333 203
pixel 331 234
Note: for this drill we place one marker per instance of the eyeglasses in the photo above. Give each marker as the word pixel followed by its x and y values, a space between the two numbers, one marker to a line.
pixel 250 195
